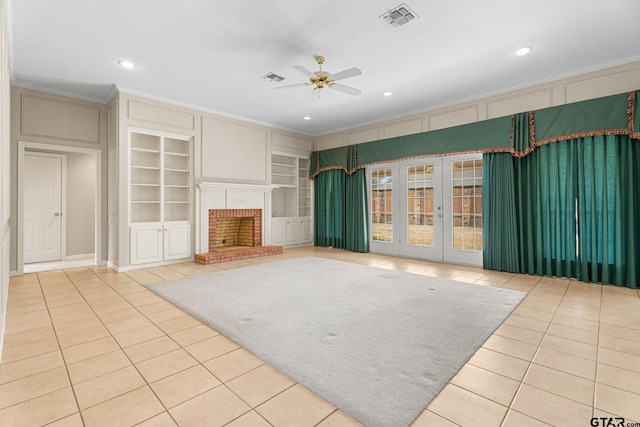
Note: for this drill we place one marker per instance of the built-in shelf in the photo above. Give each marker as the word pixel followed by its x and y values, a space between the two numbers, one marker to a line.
pixel 160 176
pixel 160 197
pixel 291 200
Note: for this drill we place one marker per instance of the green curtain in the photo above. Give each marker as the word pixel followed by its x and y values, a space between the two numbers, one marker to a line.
pixel 571 211
pixel 356 206
pixel 500 225
pixel 341 210
pixel 329 208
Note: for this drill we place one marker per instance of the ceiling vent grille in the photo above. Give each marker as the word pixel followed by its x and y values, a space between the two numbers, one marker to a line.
pixel 399 15
pixel 273 77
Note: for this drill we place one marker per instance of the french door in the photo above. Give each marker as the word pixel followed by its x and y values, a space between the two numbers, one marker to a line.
pixel 429 208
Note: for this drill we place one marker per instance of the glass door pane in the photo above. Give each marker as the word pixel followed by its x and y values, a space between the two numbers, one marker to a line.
pixel 464 225
pixel 420 205
pixel 382 205
pixel 383 237
pixel 421 209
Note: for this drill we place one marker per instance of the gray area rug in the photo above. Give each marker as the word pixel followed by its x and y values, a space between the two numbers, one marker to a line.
pixel 378 344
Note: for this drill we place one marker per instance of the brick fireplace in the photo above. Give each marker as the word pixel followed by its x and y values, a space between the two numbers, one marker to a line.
pixel 235 234
pixel 234 227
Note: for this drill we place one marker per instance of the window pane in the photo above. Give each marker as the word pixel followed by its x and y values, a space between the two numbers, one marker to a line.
pixel 467 205
pixel 381 205
pixel 420 205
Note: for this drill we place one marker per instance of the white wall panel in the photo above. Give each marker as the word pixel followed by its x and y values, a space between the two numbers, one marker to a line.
pixel 233 152
pixel 453 118
pixel 401 128
pixel 363 135
pixel 148 112
pixel 519 103
pixel 602 86
pixel 59 119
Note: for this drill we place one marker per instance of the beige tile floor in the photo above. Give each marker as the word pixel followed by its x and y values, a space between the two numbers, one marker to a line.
pixel 93 347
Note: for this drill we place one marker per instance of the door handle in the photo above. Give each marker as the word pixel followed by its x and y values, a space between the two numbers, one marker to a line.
pixel 57 214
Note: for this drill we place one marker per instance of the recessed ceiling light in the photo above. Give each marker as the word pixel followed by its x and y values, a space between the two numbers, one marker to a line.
pixel 523 50
pixel 125 64
pixel 387 93
pixel 306 118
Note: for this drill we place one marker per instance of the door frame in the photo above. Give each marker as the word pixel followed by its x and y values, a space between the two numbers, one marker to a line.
pixel 63 199
pixel 23 146
pixel 445 248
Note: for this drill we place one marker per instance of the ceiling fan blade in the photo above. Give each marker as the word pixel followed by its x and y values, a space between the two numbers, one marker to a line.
pixel 304 71
pixel 351 72
pixel 290 86
pixel 346 89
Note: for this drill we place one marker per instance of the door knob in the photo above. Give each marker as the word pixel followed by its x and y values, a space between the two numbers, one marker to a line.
pixel 57 214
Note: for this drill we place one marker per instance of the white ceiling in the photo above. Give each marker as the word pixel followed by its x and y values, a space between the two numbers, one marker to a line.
pixel 211 54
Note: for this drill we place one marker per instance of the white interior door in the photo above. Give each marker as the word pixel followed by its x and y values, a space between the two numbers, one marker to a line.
pixel 42 192
pixel 429 208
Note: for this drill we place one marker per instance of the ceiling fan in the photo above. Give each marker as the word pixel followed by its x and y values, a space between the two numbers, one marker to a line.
pixel 321 79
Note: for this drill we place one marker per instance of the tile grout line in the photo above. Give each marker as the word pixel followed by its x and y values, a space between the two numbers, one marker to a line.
pixel 55 332
pixel 555 315
pixel 595 379
pixel 117 343
pixel 522 382
pixel 180 347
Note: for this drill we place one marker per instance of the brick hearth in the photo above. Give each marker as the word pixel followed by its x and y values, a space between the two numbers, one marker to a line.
pixel 237 254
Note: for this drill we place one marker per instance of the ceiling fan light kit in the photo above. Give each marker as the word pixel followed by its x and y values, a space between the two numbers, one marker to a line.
pixel 321 79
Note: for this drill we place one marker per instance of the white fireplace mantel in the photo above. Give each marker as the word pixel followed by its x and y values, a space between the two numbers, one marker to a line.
pixel 218 195
pixel 223 185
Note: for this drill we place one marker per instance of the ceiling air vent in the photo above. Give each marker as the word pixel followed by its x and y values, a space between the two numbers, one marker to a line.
pixel 273 77
pixel 399 15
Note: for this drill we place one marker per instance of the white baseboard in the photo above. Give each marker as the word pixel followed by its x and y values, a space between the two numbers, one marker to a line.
pixel 60 265
pixel 79 256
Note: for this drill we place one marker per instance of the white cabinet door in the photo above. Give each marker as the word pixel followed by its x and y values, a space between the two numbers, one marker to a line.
pixel 278 231
pixel 177 241
pixel 292 232
pixel 305 230
pixel 146 243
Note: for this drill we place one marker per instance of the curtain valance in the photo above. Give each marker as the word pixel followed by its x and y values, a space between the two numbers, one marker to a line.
pixel 518 134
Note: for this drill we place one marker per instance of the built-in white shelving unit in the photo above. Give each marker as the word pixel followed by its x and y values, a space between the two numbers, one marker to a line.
pixel 291 200
pixel 160 197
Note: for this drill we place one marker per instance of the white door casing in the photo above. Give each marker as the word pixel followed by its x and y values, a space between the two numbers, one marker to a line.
pixel 43 207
